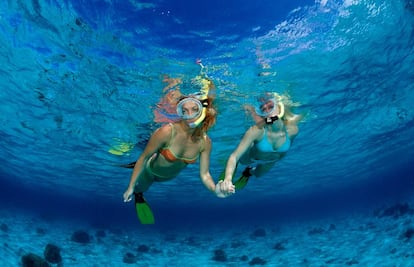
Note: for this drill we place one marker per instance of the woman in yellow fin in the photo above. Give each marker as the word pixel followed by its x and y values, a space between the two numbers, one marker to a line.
pixel 266 142
pixel 175 145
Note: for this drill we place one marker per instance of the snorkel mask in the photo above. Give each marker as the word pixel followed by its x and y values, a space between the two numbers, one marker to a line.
pixel 200 99
pixel 199 110
pixel 267 107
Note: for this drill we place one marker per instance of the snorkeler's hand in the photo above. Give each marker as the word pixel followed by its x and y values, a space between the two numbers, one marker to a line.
pixel 248 108
pixel 128 195
pixel 224 189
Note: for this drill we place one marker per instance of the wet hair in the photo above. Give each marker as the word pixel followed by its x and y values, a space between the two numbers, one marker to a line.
pixel 211 113
pixel 209 120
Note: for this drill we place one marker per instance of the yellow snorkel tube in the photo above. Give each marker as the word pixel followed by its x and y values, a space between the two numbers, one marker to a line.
pixel 279 102
pixel 267 113
pixel 202 96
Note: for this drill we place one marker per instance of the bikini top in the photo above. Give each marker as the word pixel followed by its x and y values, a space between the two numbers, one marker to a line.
pixel 170 155
pixel 265 146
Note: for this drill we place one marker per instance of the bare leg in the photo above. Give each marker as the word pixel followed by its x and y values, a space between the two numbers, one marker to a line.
pixel 262 169
pixel 145 180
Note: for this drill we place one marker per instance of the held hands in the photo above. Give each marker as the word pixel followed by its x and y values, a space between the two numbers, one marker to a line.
pixel 224 189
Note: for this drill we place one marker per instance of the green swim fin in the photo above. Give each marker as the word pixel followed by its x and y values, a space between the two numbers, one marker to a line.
pixel 144 211
pixel 242 181
pixel 223 174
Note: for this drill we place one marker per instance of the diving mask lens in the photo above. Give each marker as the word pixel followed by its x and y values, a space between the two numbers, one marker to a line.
pixel 189 108
pixel 266 108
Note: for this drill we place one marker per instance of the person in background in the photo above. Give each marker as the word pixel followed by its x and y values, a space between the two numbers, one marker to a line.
pixel 175 145
pixel 266 142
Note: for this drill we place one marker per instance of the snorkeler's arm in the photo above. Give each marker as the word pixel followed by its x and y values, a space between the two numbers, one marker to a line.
pixel 291 121
pixel 157 140
pixel 252 112
pixel 221 189
pixel 292 118
pixel 243 146
pixel 205 175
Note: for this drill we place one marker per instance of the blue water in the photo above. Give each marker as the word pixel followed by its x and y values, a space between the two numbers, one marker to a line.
pixel 79 77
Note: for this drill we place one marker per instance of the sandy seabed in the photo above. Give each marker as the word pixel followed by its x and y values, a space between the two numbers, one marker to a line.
pixel 379 238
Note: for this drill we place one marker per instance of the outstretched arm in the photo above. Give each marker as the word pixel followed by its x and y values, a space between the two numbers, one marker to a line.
pixel 158 139
pixel 205 175
pixel 221 190
pixel 252 112
pixel 246 142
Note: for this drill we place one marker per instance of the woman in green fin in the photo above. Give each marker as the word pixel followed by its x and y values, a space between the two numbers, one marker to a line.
pixel 175 145
pixel 266 142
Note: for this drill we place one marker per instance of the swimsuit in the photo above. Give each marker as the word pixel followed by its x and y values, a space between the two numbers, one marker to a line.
pixel 170 155
pixel 148 168
pixel 265 146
